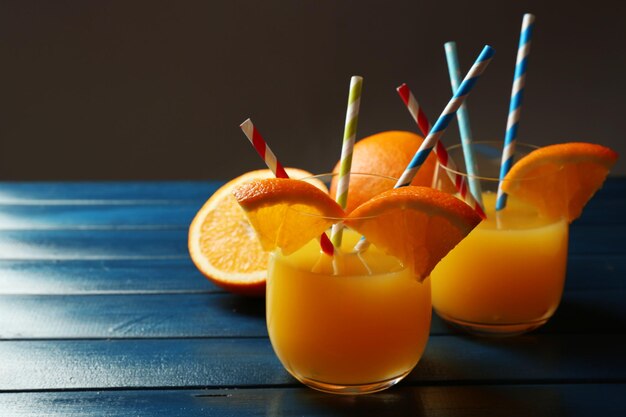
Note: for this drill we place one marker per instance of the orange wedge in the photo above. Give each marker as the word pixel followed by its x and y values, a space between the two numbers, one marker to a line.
pixel 417 225
pixel 286 213
pixel 223 245
pixel 560 179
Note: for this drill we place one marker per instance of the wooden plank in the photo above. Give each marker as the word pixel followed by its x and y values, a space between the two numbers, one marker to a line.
pixel 102 277
pixel 20 192
pixel 179 275
pixel 603 210
pixel 586 311
pixel 590 312
pixel 597 239
pixel 141 244
pixel 539 358
pixel 138 363
pixel 105 192
pixel 221 363
pixel 226 315
pixel 94 245
pixel 595 272
pixel 95 217
pixel 60 213
pixel 174 213
pixel 607 400
pixel 137 316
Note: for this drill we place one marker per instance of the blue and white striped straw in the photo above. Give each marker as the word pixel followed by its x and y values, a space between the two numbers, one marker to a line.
pixel 454 69
pixel 515 107
pixel 440 126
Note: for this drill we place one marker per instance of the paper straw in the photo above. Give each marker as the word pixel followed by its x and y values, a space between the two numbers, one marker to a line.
pixel 262 149
pixel 515 106
pixel 446 116
pixel 272 163
pixel 349 135
pixel 432 138
pixel 440 151
pixel 462 117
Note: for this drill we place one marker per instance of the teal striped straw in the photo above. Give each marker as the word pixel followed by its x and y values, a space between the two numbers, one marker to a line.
pixel 515 108
pixel 440 126
pixel 462 117
pixel 349 136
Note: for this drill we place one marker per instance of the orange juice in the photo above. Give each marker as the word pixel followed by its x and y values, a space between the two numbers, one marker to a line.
pixel 507 276
pixel 363 326
pixel 358 320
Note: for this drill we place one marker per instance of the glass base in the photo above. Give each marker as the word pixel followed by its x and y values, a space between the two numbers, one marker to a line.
pixel 493 329
pixel 357 389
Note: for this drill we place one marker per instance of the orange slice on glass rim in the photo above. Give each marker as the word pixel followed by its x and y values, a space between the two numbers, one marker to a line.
pixel 417 225
pixel 565 177
pixel 222 243
pixel 287 213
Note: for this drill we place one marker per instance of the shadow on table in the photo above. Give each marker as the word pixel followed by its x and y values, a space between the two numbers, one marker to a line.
pixel 581 316
pixel 253 307
pixel 576 314
pixel 457 401
pixel 397 401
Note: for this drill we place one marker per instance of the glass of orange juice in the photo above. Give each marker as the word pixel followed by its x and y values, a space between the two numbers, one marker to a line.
pixel 354 323
pixel 507 276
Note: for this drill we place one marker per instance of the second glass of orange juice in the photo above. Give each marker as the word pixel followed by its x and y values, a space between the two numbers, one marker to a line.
pixel 350 324
pixel 507 276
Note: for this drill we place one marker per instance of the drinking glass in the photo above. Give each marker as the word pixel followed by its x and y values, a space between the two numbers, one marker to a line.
pixel 354 323
pixel 507 276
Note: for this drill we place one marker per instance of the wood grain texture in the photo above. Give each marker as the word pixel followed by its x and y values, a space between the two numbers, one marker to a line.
pixel 168 214
pixel 125 276
pixel 250 362
pixel 97 217
pixel 93 245
pixel 133 315
pixel 103 313
pixel 106 316
pixel 172 244
pixel 95 192
pixel 595 272
pixel 171 191
pixel 564 400
pixel 102 277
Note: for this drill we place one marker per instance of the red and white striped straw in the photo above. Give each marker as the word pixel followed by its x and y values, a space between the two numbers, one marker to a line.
pixel 420 118
pixel 262 149
pixel 276 167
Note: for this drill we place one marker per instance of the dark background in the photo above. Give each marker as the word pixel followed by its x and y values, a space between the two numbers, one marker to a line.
pixel 157 90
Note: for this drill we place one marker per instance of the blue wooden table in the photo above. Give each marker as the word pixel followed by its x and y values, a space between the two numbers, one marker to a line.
pixel 103 314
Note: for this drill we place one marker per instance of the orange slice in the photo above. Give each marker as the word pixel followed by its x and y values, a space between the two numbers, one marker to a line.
pixel 286 213
pixel 223 245
pixel 417 225
pixel 560 179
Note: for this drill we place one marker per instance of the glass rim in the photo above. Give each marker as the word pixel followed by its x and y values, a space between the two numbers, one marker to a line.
pixel 331 175
pixel 335 174
pixel 497 144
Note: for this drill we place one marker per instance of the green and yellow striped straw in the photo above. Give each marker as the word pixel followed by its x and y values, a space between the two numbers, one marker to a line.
pixel 349 135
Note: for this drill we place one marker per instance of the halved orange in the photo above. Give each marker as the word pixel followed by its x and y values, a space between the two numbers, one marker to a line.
pixel 417 225
pixel 560 179
pixel 286 213
pixel 223 245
